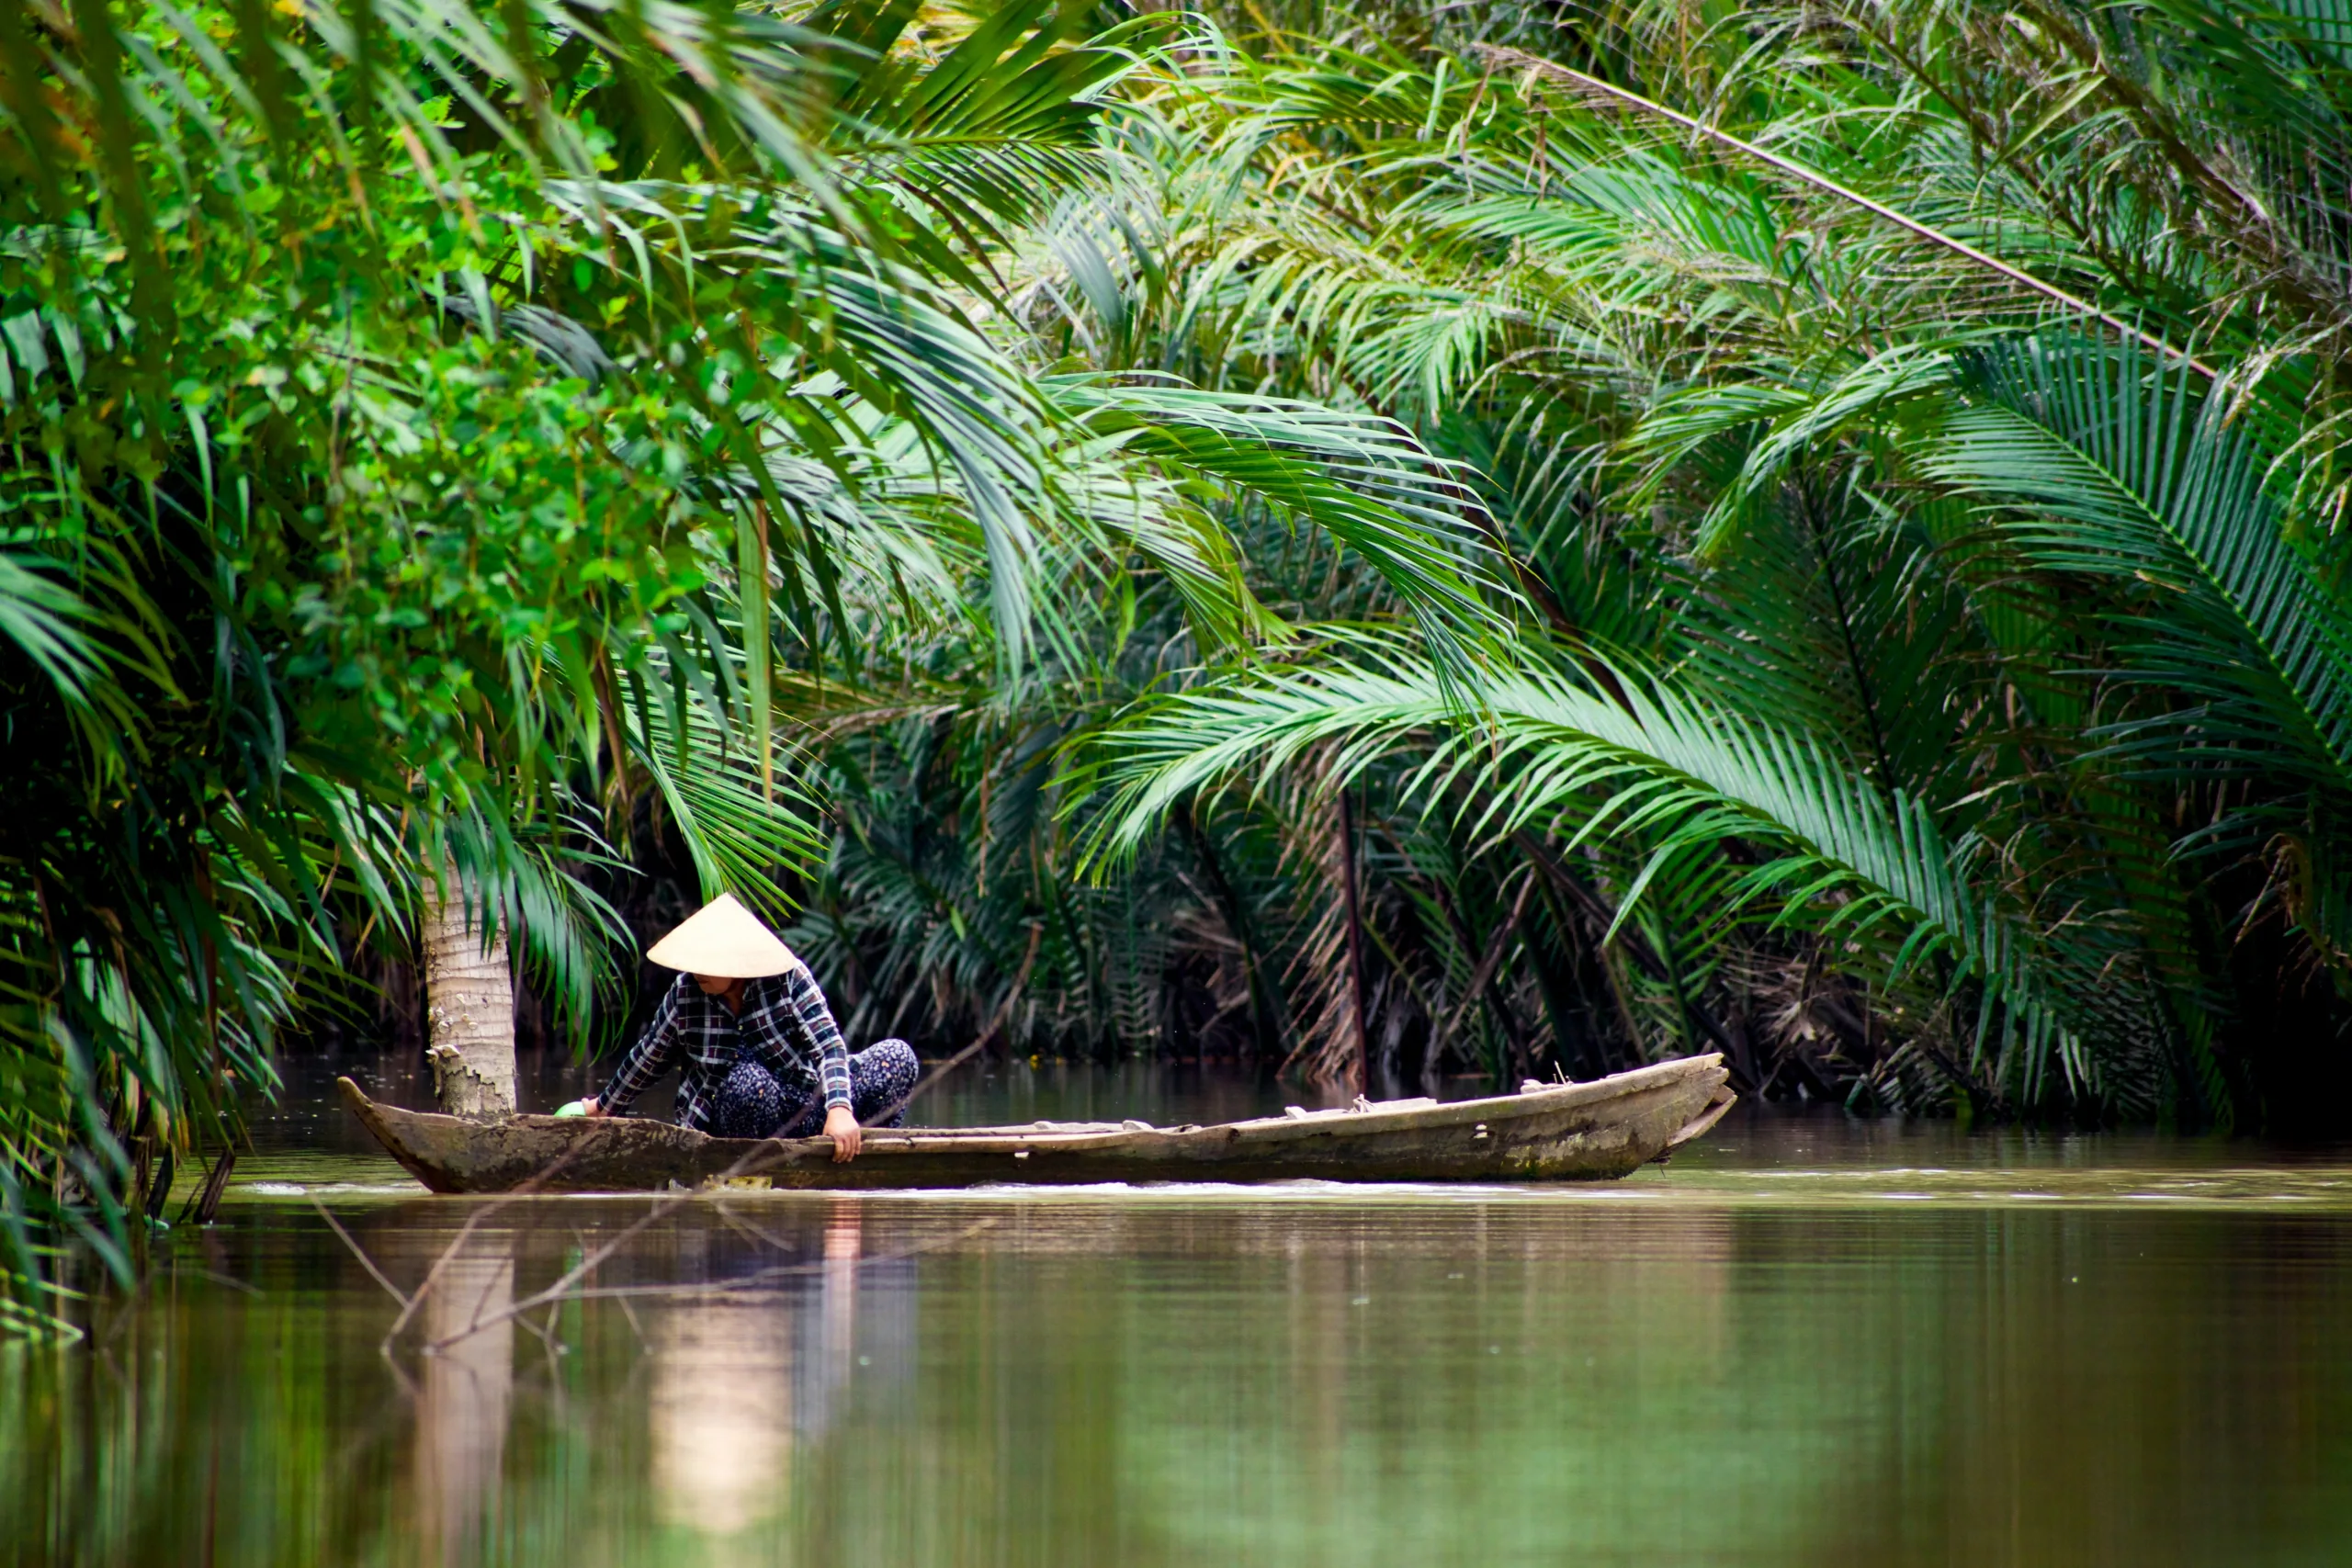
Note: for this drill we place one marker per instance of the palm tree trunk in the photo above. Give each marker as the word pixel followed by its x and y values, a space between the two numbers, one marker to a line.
pixel 469 1007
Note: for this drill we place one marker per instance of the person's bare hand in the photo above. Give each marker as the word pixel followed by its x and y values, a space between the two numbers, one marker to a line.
pixel 592 1106
pixel 840 1126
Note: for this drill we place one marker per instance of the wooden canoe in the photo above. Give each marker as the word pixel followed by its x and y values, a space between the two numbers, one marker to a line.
pixel 1582 1132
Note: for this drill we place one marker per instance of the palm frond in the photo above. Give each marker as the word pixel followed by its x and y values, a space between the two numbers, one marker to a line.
pixel 1663 770
pixel 2125 473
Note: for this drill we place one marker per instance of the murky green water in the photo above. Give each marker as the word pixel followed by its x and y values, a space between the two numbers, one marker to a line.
pixel 1805 1342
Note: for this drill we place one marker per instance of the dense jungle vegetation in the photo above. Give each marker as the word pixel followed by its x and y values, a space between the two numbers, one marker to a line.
pixel 1392 539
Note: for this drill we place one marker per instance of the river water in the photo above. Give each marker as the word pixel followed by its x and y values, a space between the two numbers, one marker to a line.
pixel 1807 1341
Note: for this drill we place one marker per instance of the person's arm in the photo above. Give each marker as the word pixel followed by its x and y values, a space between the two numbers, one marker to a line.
pixel 646 1061
pixel 816 1020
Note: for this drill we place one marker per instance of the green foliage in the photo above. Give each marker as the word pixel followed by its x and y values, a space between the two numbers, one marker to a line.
pixel 1922 690
pixel 386 433
pixel 1525 581
pixel 430 434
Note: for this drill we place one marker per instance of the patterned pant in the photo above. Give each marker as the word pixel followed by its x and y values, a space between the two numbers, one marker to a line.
pixel 752 1104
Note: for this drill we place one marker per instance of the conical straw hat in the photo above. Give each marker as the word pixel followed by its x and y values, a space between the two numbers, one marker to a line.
pixel 725 940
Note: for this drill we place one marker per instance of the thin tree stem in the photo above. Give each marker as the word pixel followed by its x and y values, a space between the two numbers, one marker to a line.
pixel 1359 1070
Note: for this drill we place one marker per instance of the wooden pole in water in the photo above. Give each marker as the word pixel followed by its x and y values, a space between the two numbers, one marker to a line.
pixel 1358 1073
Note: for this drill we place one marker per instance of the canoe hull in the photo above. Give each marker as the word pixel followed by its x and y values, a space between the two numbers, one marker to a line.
pixel 1586 1131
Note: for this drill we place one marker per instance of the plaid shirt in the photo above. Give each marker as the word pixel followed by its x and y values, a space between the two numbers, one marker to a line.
pixel 785 1025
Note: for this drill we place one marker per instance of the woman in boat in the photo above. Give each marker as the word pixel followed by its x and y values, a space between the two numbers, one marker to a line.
pixel 756 1047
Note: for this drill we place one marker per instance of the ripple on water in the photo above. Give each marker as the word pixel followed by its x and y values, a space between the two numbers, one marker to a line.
pixel 356 1179
pixel 1744 1173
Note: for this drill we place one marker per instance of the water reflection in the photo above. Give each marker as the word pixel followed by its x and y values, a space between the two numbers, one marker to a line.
pixel 464 1397
pixel 739 1376
pixel 1048 1380
pixel 721 1414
